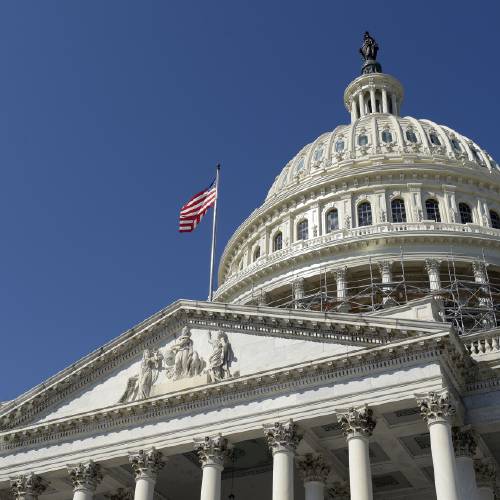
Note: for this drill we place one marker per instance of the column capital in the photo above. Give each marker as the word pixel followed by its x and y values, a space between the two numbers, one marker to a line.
pixel 282 436
pixel 435 406
pixel 384 266
pixel 486 472
pixel 313 468
pixel 85 476
pixel 432 265
pixel 339 491
pixel 479 270
pixel 121 494
pixel 212 450
pixel 464 441
pixel 357 422
pixel 340 273
pixel 27 485
pixel 146 463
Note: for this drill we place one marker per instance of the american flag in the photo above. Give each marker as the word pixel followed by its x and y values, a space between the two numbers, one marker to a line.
pixel 194 210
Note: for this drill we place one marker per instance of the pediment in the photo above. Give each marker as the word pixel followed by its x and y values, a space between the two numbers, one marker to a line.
pixel 195 344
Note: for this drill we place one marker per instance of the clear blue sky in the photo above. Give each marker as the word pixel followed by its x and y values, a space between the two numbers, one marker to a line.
pixel 112 113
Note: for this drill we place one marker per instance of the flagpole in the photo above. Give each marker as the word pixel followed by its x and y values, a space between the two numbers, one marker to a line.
pixel 214 235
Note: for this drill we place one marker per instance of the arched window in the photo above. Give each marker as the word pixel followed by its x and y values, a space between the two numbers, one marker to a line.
pixel 256 254
pixel 364 214
pixel 476 155
pixel 318 153
pixel 434 139
pixel 386 136
pixel 456 145
pixel 303 230
pixel 465 213
pixel 339 146
pixel 278 241
pixel 411 136
pixel 432 209
pixel 362 140
pixel 398 210
pixel 495 219
pixel 332 220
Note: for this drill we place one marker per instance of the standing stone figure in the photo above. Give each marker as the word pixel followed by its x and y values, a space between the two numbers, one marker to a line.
pixel 220 360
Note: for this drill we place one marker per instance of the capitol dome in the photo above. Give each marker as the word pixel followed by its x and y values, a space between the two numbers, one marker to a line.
pixel 376 213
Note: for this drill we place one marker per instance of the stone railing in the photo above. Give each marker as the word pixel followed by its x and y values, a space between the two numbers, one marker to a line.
pixel 344 235
pixel 483 343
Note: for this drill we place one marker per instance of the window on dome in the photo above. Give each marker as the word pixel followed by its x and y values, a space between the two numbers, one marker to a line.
pixel 398 210
pixel 411 136
pixel 456 145
pixel 283 180
pixel 303 230
pixel 300 166
pixel 364 214
pixel 386 136
pixel 476 155
pixel 318 154
pixel 465 213
pixel 332 220
pixel 432 209
pixel 256 254
pixel 339 146
pixel 362 140
pixel 434 139
pixel 278 241
pixel 495 219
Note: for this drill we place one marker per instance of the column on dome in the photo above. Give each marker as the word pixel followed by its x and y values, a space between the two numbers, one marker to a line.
pixel 385 268
pixel 357 425
pixel 146 464
pixel 341 279
pixel 481 276
pixel 486 474
pixel 354 110
pixel 432 268
pixel 27 486
pixel 484 213
pixel 346 203
pixel 298 291
pixel 373 101
pixel 394 104
pixel 437 412
pixel 85 478
pixel 465 446
pixel 212 451
pixel 314 471
pixel 385 104
pixel 416 212
pixel 361 100
pixel 282 439
pixel 450 204
pixel 262 298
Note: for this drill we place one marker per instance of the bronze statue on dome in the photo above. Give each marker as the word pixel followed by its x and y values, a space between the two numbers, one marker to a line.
pixel 369 52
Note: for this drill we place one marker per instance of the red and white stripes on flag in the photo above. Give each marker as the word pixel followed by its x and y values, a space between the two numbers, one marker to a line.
pixel 194 210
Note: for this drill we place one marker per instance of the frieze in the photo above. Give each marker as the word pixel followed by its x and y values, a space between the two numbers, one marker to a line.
pixel 236 390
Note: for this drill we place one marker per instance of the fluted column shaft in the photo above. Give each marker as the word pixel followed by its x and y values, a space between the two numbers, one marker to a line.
pixel 358 425
pixel 85 477
pixel 341 279
pixel 212 451
pixel 436 410
pixel 385 106
pixel 464 443
pixel 282 439
pixel 361 104
pixel 146 464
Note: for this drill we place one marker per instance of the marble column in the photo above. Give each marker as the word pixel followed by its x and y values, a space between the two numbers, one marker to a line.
pixel 211 450
pixel 432 268
pixel 373 101
pixel 27 487
pixel 437 411
pixel 282 439
pixel 314 471
pixel 481 276
pixel 341 279
pixel 394 104
pixel 465 446
pixel 85 477
pixel 298 291
pixel 358 425
pixel 385 106
pixel 486 474
pixel 385 268
pixel 146 464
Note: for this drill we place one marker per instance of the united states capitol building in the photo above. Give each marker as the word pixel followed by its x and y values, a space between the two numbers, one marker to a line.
pixel 351 350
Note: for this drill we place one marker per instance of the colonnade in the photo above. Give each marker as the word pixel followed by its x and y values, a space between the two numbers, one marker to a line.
pixel 457 475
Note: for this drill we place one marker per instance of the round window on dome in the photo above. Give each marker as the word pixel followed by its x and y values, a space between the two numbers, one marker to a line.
pixel 434 139
pixel 362 140
pixel 339 146
pixel 318 154
pixel 456 145
pixel 386 136
pixel 411 136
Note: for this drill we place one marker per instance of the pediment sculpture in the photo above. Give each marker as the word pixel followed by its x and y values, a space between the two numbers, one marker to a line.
pixel 180 361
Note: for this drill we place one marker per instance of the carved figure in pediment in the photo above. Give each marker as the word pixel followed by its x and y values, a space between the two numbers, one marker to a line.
pixel 139 386
pixel 181 360
pixel 221 358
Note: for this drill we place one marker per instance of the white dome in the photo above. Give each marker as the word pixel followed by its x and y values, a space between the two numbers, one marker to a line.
pixel 384 138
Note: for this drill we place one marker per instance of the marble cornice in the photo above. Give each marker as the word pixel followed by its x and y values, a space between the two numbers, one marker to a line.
pixel 331 327
pixel 438 347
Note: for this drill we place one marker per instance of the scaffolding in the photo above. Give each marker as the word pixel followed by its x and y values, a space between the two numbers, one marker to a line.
pixel 468 297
